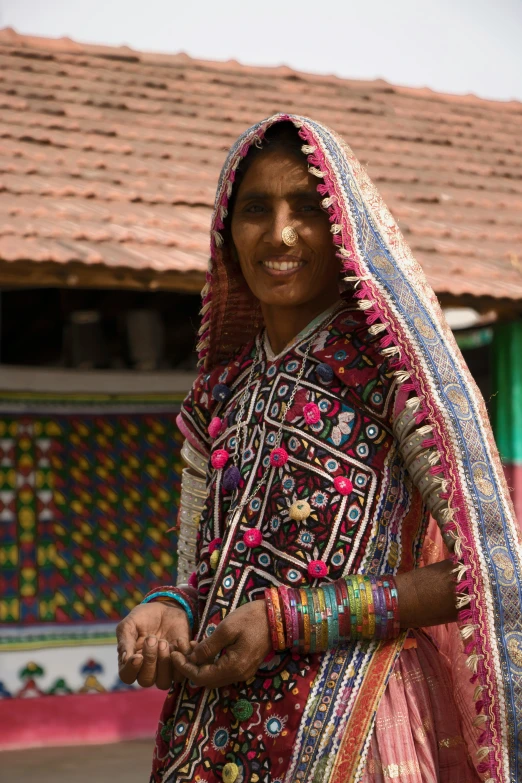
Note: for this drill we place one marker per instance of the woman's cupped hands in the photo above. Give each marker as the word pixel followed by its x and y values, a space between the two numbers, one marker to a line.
pixel 146 639
pixel 154 646
pixel 233 652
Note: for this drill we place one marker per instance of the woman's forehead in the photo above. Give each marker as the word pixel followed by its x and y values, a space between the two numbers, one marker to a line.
pixel 276 171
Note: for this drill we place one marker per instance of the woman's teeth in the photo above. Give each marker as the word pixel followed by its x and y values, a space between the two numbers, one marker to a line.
pixel 282 266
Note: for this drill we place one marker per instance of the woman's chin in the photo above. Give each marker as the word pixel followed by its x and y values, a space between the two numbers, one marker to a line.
pixel 284 296
pixel 285 291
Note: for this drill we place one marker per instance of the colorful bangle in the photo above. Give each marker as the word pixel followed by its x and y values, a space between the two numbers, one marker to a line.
pixel 311 615
pixel 271 618
pixel 337 610
pixel 169 595
pixel 383 611
pixel 317 634
pixel 289 628
pixel 379 610
pixel 332 617
pixel 352 609
pixel 278 619
pixel 346 608
pixel 354 582
pixel 364 603
pixel 340 610
pixel 323 620
pixel 328 617
pixel 295 618
pixel 306 620
pixel 385 586
pixel 355 608
pixel 300 618
pixel 371 607
pixel 396 626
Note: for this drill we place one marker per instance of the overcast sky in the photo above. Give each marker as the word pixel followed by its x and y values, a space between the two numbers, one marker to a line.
pixel 455 46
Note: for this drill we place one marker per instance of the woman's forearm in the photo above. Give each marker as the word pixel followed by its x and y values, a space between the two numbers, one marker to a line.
pixel 427 595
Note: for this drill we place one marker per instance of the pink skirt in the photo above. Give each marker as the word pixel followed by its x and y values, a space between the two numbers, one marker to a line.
pixel 417 737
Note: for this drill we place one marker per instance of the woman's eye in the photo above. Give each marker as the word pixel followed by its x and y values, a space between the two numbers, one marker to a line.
pixel 255 208
pixel 310 208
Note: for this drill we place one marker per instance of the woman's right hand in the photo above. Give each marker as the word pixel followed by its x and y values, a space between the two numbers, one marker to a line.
pixel 146 637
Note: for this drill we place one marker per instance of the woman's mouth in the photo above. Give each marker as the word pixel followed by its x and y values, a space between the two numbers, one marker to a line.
pixel 280 266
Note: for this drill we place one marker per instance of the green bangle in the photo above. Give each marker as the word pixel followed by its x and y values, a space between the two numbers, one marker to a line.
pixel 371 607
pixel 358 606
pixel 364 602
pixel 328 614
pixel 347 611
pixel 317 621
pixel 333 624
pixel 338 609
pixel 351 609
pixel 324 624
pixel 300 623
pixel 311 612
pixel 377 608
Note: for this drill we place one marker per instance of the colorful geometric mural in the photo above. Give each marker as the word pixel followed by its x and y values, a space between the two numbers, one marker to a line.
pixel 88 677
pixel 89 489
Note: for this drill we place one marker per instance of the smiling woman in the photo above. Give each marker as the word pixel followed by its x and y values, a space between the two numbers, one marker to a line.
pixel 276 192
pixel 333 411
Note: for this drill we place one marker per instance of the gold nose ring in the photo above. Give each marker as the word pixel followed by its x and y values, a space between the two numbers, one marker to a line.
pixel 289 236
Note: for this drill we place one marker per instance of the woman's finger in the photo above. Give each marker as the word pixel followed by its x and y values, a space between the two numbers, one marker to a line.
pixel 127 636
pixel 163 666
pixel 129 669
pixel 208 648
pixel 211 675
pixel 181 646
pixel 147 674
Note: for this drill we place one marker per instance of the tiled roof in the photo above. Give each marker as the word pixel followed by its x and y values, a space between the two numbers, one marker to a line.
pixel 110 157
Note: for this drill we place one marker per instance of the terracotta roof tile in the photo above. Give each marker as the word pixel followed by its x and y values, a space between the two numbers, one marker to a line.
pixel 110 157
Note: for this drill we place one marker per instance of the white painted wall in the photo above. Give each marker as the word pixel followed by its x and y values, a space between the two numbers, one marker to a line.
pixel 36 379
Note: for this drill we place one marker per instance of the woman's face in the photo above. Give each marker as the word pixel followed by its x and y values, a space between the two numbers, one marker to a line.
pixel 277 191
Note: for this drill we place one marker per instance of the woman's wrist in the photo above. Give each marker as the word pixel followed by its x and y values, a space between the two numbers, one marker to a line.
pixel 427 595
pixel 185 597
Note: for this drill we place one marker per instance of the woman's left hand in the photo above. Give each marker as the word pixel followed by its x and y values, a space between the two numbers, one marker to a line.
pixel 243 638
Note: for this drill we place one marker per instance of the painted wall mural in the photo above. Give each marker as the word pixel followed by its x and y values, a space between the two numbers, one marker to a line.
pixel 53 673
pixel 89 491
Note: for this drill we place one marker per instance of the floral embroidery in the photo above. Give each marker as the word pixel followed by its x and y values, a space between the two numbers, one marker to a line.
pixel 319 499
pixel 288 484
pixel 343 427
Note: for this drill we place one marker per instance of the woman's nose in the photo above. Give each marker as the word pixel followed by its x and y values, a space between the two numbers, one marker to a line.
pixel 280 218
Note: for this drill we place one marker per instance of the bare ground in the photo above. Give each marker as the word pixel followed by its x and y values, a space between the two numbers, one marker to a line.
pixel 122 762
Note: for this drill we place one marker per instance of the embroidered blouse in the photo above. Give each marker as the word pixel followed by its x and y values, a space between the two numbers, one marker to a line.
pixel 377 523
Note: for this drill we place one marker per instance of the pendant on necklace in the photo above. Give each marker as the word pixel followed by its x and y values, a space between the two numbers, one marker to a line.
pixel 235 517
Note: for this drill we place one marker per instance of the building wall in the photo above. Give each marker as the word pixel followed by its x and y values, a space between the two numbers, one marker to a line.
pixel 89 490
